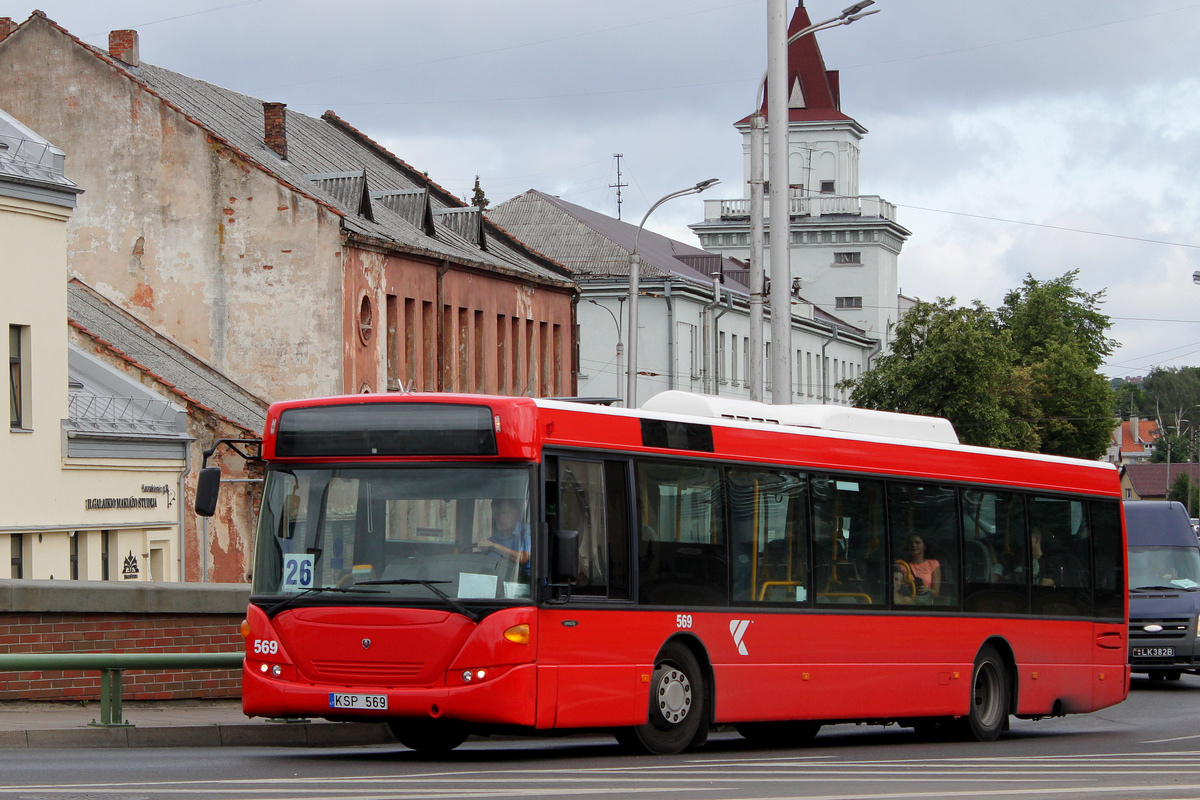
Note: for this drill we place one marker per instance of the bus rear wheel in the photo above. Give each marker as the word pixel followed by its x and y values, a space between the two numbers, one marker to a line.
pixel 429 737
pixel 779 734
pixel 989 698
pixel 677 709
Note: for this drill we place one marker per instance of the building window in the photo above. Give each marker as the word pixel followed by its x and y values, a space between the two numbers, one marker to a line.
pixel 18 377
pixel 826 187
pixel 74 535
pixel 17 549
pixel 104 543
pixel 849 302
pixel 847 258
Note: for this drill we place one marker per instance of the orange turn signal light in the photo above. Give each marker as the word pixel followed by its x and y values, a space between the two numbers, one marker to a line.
pixel 518 634
pixel 244 629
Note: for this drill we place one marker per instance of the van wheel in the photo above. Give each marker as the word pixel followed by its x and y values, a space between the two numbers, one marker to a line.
pixel 988 715
pixel 678 717
pixel 429 737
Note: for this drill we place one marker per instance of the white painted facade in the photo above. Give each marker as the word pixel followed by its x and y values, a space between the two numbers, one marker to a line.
pixel 688 340
pixel 62 514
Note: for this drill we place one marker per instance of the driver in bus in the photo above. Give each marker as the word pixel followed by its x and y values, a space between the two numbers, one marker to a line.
pixel 510 537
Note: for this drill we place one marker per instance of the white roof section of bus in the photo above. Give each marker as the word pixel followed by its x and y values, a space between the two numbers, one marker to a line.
pixel 888 434
pixel 823 417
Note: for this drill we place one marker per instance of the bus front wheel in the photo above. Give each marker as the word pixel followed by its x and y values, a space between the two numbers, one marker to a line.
pixel 677 709
pixel 430 737
pixel 989 698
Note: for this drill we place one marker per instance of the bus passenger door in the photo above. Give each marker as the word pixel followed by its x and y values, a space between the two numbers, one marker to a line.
pixel 585 641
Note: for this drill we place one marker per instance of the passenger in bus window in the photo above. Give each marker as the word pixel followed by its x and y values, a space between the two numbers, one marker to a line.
pixel 510 537
pixel 904 588
pixel 927 572
pixel 1043 568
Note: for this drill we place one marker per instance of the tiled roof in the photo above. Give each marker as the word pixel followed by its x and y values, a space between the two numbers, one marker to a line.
pixel 337 164
pixel 596 246
pixel 136 343
pixel 1147 434
pixel 1151 480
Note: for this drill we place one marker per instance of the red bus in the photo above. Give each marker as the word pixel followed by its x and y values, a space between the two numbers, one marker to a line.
pixel 466 564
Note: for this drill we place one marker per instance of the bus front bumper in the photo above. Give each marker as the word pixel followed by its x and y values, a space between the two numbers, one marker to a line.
pixel 506 696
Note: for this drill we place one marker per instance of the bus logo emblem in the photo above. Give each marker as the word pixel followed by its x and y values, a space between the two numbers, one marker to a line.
pixel 737 627
pixel 366 643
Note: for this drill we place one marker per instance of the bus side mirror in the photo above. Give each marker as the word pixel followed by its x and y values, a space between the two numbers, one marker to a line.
pixel 208 486
pixel 565 566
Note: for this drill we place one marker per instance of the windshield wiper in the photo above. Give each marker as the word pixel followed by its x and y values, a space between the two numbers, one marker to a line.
pixel 282 604
pixel 431 586
pixel 1164 589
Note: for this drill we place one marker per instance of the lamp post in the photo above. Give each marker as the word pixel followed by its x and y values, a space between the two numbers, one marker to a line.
pixel 620 343
pixel 634 265
pixel 781 267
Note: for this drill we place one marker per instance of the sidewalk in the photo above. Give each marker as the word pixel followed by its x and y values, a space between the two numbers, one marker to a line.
pixel 171 723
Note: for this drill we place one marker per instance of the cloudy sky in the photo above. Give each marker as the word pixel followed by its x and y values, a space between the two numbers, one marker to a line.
pixel 1015 136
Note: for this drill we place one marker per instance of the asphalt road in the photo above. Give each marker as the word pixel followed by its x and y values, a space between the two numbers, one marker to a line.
pixel 1148 747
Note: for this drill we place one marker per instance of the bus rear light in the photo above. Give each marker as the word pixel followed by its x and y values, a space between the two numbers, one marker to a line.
pixel 244 629
pixel 518 634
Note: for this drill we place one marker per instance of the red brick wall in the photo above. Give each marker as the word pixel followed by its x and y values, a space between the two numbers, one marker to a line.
pixel 115 633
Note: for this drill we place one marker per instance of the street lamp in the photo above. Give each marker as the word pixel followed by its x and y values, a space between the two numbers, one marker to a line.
pixel 781 267
pixel 634 265
pixel 620 343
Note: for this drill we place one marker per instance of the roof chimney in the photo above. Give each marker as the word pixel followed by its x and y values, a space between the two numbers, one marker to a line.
pixel 275 127
pixel 7 26
pixel 1135 429
pixel 123 46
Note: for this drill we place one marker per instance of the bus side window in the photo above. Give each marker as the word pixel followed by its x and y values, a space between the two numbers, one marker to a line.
pixel 592 500
pixel 1109 591
pixel 994 528
pixel 849 551
pixel 924 530
pixel 769 529
pixel 681 544
pixel 1060 557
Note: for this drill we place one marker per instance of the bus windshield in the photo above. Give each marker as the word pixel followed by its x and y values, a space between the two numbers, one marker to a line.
pixel 395 532
pixel 1164 568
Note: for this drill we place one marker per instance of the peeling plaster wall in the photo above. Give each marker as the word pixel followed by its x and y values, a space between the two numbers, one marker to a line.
pixel 178 229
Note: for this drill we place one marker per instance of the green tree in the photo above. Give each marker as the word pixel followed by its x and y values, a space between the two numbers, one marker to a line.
pixel 952 362
pixel 1022 377
pixel 1182 491
pixel 478 198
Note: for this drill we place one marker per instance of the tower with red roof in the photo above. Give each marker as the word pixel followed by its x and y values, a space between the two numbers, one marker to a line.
pixel 844 245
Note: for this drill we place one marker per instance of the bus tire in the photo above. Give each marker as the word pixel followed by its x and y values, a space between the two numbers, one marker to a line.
pixel 429 737
pixel 678 717
pixel 779 734
pixel 988 716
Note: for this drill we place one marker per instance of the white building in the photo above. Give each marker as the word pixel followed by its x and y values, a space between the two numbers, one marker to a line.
pixel 693 315
pixel 92 462
pixel 844 246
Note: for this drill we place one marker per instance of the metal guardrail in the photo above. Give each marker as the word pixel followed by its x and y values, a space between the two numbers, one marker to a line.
pixel 111 666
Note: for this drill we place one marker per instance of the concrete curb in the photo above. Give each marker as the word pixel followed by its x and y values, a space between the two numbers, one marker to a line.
pixel 321 734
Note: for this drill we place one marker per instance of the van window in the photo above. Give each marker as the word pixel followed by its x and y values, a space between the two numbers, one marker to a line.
pixel 1161 567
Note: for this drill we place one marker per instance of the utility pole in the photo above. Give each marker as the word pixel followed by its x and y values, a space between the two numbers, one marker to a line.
pixel 618 185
